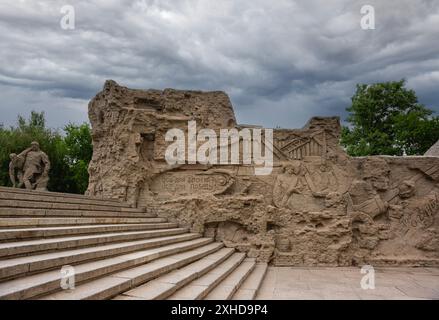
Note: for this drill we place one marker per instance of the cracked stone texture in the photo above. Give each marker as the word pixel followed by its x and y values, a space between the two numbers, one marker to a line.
pixel 318 207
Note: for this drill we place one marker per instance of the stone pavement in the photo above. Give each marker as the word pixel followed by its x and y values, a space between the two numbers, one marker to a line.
pixel 310 283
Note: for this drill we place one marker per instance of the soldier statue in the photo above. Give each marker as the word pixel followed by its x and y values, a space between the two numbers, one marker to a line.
pixel 31 168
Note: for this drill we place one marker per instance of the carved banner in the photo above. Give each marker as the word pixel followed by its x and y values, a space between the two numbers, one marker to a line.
pixel 178 183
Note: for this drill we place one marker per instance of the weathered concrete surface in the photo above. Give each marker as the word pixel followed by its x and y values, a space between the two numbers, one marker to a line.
pixel 313 283
pixel 317 207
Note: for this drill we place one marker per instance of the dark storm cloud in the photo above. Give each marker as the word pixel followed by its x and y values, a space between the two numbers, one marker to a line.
pixel 280 61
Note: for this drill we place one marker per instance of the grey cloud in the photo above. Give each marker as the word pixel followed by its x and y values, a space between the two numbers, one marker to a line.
pixel 280 61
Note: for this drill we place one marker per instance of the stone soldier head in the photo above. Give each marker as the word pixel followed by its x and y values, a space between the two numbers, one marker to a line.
pixel 35 146
pixel 292 167
pixel 13 156
pixel 288 169
pixel 296 167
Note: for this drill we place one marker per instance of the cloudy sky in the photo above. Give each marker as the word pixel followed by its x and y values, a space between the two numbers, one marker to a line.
pixel 280 61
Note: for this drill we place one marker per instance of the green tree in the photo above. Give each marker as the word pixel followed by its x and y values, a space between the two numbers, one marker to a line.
pixel 386 118
pixel 79 152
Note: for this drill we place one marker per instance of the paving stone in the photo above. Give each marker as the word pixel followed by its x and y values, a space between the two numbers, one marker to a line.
pixel 285 294
pixel 419 291
pixel 390 284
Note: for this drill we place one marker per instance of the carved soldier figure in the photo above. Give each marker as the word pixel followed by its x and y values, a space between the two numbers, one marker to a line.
pixel 16 168
pixel 36 168
pixel 287 183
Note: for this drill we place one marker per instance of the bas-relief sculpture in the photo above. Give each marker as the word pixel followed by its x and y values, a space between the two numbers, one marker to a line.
pixel 30 168
pixel 317 207
pixel 433 151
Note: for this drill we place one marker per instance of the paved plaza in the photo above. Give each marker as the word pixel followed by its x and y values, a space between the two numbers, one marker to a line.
pixel 344 283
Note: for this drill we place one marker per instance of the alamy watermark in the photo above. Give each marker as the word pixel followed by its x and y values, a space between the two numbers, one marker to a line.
pixel 69 18
pixel 209 153
pixel 368 280
pixel 67 278
pixel 367 21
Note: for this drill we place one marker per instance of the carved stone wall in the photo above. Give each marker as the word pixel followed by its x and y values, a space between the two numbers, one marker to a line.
pixel 317 207
pixel 433 151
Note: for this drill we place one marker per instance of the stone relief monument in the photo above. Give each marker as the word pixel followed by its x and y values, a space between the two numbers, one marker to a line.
pixel 317 207
pixel 30 168
pixel 433 151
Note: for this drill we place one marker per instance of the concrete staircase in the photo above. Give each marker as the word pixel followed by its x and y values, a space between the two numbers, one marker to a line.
pixel 117 252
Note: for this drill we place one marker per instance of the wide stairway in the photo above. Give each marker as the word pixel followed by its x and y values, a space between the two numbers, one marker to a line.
pixel 117 252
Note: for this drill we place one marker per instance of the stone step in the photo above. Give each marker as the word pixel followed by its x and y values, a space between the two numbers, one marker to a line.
pixel 142 274
pixel 99 289
pixel 112 285
pixel 57 197
pixel 250 287
pixel 16 267
pixel 66 221
pixel 50 232
pixel 158 260
pixel 35 212
pixel 200 288
pixel 227 288
pixel 166 285
pixel 38 204
pixel 8 249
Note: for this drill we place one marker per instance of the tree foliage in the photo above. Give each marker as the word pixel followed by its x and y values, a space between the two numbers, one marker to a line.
pixel 69 152
pixel 79 152
pixel 386 118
